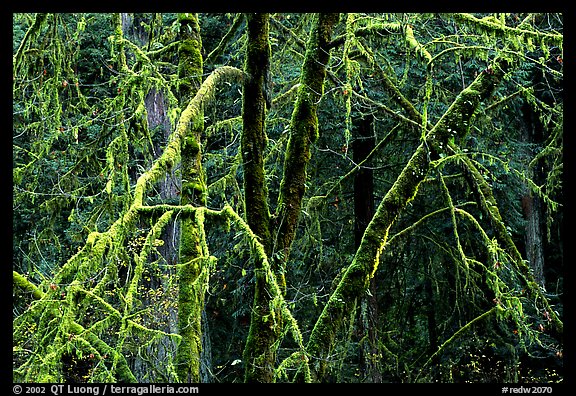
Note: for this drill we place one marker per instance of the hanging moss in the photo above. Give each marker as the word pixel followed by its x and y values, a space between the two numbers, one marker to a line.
pixel 31 33
pixel 356 278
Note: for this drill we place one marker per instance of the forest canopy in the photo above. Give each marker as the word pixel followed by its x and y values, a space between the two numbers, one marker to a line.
pixel 287 197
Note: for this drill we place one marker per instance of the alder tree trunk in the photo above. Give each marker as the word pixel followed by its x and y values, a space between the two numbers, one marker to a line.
pixel 260 350
pixel 192 271
pixel 266 325
pixel 303 134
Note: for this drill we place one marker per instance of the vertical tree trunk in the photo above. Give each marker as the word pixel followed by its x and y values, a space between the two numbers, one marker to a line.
pixel 531 204
pixel 431 314
pixel 534 248
pixel 362 146
pixel 192 273
pixel 260 350
pixel 157 120
pixel 303 134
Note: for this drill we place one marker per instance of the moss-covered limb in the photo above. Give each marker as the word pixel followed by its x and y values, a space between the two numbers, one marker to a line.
pixel 493 26
pixel 452 208
pixel 356 277
pixel 21 281
pixel 303 130
pixel 489 208
pixel 277 303
pixel 64 330
pixel 384 28
pixel 32 31
pixel 455 122
pixel 141 259
pixel 226 39
pixel 172 152
pixel 121 372
pixel 415 44
pixel 355 280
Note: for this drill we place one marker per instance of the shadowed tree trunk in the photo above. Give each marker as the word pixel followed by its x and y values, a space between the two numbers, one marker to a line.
pixel 531 204
pixel 303 133
pixel 362 146
pixel 260 350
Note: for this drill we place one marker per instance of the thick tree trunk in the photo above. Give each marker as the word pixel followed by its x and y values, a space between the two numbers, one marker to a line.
pixel 192 272
pixel 303 134
pixel 531 205
pixel 261 344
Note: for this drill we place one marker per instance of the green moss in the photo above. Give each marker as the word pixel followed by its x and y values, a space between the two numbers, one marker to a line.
pixel 192 272
pixel 191 146
pixel 303 129
pixel 26 285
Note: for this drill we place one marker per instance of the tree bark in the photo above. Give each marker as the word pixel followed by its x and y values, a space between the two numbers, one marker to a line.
pixel 362 146
pixel 260 349
pixel 531 205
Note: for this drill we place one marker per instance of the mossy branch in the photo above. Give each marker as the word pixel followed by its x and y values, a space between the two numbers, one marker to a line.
pixel 303 130
pixel 277 301
pixel 493 26
pixel 32 31
pixel 226 39
pixel 171 154
pixel 22 282
pixel 355 279
pixel 457 334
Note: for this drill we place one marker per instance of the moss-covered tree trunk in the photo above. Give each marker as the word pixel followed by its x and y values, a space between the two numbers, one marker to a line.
pixel 355 280
pixel 261 344
pixel 303 133
pixel 192 276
